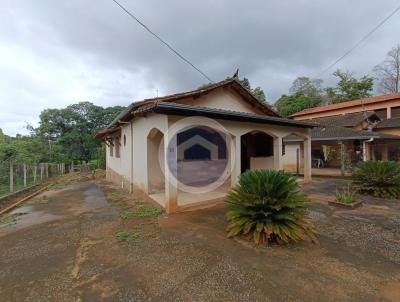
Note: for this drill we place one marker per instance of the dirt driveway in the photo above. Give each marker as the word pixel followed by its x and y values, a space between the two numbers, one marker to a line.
pixel 63 247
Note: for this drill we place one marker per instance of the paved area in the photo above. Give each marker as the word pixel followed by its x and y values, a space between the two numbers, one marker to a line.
pixel 63 247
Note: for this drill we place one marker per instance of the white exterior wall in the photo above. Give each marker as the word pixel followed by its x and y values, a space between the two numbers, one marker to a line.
pixel 290 157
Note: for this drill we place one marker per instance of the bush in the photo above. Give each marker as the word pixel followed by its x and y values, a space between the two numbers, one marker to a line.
pixel 269 206
pixel 378 178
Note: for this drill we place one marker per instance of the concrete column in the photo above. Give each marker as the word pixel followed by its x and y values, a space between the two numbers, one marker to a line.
pixel 235 159
pixel 170 167
pixel 307 159
pixel 389 112
pixel 278 162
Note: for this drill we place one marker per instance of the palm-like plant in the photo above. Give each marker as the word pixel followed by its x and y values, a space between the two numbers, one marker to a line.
pixel 268 205
pixel 378 178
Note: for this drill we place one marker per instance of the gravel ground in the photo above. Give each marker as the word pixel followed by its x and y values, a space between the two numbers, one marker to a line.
pixel 62 246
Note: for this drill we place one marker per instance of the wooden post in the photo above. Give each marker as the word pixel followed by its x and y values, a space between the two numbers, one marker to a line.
pixel 47 170
pixel 24 165
pixel 342 158
pixel 41 171
pixel 11 177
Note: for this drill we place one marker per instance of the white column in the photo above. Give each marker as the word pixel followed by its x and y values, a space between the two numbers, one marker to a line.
pixel 389 112
pixel 170 167
pixel 307 158
pixel 235 159
pixel 278 164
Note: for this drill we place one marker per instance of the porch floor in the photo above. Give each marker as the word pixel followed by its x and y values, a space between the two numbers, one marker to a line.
pixel 193 199
pixel 328 172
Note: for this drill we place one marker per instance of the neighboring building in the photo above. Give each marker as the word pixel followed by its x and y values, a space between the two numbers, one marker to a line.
pixel 364 129
pixel 146 154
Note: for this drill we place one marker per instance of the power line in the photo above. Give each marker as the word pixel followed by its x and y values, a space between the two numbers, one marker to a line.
pixel 162 41
pixel 360 41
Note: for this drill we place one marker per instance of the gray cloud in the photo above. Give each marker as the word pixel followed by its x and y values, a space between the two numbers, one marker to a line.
pixel 53 53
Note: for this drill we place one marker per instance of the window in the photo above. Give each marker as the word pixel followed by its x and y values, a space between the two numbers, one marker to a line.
pixel 283 149
pixel 117 145
pixel 124 140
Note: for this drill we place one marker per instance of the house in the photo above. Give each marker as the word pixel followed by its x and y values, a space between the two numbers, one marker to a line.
pixel 364 129
pixel 188 149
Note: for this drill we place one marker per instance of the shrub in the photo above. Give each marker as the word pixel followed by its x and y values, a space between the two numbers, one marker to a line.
pixel 347 196
pixel 269 206
pixel 378 178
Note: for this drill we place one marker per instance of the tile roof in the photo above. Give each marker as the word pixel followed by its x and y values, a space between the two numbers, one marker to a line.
pixel 343 133
pixel 353 103
pixel 345 120
pixel 233 83
pixel 389 123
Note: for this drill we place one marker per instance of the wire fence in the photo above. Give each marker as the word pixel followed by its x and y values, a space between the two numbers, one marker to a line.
pixel 17 176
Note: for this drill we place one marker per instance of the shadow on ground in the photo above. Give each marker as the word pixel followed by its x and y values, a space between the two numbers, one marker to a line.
pixel 62 246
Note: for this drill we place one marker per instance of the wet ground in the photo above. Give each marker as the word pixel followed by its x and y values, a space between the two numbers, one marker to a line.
pixel 72 245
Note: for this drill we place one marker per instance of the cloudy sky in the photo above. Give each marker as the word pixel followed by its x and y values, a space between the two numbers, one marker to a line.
pixel 54 53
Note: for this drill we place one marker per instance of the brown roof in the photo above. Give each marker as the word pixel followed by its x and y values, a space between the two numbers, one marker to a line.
pixel 346 120
pixel 353 103
pixel 343 133
pixel 389 123
pixel 126 115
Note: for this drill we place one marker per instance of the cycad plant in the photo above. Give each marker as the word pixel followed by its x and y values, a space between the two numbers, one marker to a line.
pixel 378 178
pixel 269 206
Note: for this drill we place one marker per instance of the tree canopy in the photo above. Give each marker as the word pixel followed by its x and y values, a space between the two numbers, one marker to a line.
pixel 388 72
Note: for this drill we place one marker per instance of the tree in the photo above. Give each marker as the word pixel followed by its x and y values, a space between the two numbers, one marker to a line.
pixel 258 92
pixel 388 72
pixel 70 131
pixel 349 88
pixel 308 87
pixel 304 93
pixel 290 104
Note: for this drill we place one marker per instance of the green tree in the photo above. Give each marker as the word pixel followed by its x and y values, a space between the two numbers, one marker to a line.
pixel 290 104
pixel 70 131
pixel 304 93
pixel 349 88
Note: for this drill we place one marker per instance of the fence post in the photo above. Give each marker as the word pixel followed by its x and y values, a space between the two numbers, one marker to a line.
pixel 47 170
pixel 11 177
pixel 41 171
pixel 34 173
pixel 24 174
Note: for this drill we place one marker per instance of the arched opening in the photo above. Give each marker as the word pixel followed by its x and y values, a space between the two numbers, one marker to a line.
pixel 257 151
pixel 155 160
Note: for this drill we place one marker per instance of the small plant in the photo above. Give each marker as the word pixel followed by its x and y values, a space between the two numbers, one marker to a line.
pixel 378 178
pixel 126 235
pixel 268 205
pixel 347 196
pixel 142 210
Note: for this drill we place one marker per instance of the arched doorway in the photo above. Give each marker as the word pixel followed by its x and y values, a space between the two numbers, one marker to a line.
pixel 155 160
pixel 257 151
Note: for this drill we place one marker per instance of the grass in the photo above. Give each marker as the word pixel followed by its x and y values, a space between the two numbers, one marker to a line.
pixel 9 219
pixel 18 185
pixel 127 235
pixel 142 210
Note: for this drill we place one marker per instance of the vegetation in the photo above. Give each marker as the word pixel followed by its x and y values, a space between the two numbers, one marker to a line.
pixel 142 210
pixel 388 72
pixel 268 206
pixel 308 93
pixel 347 196
pixel 378 178
pixel 127 236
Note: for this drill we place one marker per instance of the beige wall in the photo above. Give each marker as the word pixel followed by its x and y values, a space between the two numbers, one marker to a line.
pixel 290 157
pixel 262 163
pixel 223 98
